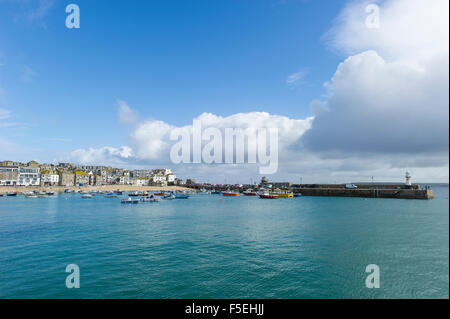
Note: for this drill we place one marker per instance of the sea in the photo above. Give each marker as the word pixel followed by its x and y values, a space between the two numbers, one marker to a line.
pixel 211 246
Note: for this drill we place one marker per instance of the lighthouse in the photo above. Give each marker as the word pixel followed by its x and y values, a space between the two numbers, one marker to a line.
pixel 408 179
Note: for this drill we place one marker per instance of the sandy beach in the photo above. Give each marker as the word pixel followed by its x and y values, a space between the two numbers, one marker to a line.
pixel 60 189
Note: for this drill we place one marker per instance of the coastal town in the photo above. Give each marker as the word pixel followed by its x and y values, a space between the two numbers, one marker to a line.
pixel 68 175
pixel 21 177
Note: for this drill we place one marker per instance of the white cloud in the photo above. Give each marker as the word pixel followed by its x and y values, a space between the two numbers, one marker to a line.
pixel 104 155
pixel 126 114
pixel 392 97
pixel 296 77
pixel 412 30
pixel 386 111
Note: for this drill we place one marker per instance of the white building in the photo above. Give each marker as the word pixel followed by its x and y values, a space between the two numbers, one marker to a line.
pixel 140 181
pixel 171 178
pixel 159 178
pixel 49 179
pixel 29 176
pixel 162 171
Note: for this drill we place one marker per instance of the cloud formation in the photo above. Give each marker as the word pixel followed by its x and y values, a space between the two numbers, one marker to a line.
pixel 387 108
pixel 393 96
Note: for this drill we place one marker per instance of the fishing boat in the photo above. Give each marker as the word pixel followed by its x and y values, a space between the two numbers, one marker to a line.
pixel 50 193
pixel 118 192
pixel 250 192
pixel 110 194
pixel 1 194
pixel 150 198
pixel 282 194
pixel 297 194
pixel 160 194
pixel 31 195
pixel 129 200
pixel 204 191
pixel 214 192
pixel 285 195
pixel 86 196
pixel 181 196
pixel 268 196
pixel 11 194
pixel 42 194
pixel 169 196
pixel 136 193
pixel 230 193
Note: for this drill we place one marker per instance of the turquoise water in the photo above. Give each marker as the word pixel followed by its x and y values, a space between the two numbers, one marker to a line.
pixel 214 247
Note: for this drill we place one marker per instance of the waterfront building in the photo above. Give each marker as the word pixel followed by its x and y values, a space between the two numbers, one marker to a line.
pixel 171 178
pixel 81 178
pixel 66 178
pixel 179 181
pixel 9 174
pixel 29 175
pixel 162 171
pixel 190 181
pixel 9 163
pixel 140 181
pixel 159 178
pixel 49 178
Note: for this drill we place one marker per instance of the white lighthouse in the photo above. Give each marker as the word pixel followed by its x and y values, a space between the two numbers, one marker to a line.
pixel 408 179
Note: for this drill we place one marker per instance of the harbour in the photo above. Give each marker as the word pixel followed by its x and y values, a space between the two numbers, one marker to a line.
pixel 215 246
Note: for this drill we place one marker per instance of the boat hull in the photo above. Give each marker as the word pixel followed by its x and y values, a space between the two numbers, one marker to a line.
pixel 268 196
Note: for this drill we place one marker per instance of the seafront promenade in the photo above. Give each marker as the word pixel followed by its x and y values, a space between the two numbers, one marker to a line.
pixel 60 189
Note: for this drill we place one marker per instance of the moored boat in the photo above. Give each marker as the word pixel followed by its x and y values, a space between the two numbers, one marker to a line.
pixel 129 201
pixel 297 194
pixel 86 196
pixel 285 195
pixel 169 196
pixel 11 194
pixel 230 193
pixel 110 194
pixel 250 192
pixel 181 196
pixel 150 198
pixel 160 194
pixel 268 196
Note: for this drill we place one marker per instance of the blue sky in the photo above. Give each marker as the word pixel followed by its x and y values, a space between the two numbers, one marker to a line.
pixel 172 61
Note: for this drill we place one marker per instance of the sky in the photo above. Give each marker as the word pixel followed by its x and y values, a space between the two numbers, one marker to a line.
pixel 349 101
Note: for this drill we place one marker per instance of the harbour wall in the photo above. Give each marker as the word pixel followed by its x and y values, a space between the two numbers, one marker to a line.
pixel 339 190
pixel 369 193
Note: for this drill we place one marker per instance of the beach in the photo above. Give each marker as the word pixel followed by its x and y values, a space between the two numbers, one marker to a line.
pixel 60 189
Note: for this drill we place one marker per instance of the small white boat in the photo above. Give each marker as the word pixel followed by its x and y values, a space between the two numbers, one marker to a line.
pixel 86 196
